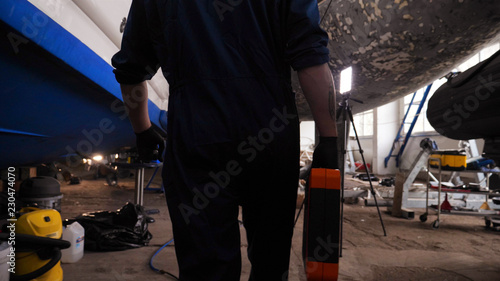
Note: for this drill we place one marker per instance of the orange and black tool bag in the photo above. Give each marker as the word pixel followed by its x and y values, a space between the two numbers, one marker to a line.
pixel 322 225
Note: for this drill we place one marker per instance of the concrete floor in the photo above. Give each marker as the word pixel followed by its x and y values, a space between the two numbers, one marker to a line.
pixel 461 249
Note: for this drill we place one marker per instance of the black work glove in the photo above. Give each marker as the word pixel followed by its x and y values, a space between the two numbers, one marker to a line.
pixel 150 145
pixel 325 154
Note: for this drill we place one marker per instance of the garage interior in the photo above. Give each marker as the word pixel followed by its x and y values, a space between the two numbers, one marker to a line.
pixel 420 202
pixel 461 249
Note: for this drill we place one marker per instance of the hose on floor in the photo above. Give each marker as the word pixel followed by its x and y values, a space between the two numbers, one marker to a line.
pixel 161 271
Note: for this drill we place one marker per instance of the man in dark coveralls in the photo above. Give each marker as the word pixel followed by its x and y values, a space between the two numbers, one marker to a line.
pixel 232 133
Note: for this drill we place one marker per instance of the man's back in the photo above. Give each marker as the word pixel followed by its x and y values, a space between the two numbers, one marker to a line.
pixel 231 122
pixel 230 59
pixel 209 41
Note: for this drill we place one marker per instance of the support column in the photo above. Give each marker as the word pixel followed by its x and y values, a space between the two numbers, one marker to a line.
pixel 385 127
pixel 139 186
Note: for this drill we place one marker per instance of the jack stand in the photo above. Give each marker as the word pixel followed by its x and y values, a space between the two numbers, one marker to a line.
pixel 446 206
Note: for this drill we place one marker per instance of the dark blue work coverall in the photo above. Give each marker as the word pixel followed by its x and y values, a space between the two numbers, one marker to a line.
pixel 233 135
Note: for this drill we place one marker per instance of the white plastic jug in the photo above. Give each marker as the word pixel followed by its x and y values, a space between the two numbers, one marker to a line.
pixel 75 234
pixel 4 266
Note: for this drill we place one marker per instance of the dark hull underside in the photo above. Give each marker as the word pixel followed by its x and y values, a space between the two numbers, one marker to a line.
pixel 398 47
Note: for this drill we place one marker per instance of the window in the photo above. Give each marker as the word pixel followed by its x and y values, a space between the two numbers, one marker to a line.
pixel 487 52
pixel 422 124
pixel 469 63
pixel 479 57
pixel 364 124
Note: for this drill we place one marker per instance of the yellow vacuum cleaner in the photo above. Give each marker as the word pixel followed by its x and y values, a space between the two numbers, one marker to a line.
pixel 38 245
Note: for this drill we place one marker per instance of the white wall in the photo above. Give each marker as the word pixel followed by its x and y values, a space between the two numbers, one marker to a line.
pixel 366 145
pixel 375 150
pixel 411 152
pixel 387 120
pixel 386 126
pixel 413 147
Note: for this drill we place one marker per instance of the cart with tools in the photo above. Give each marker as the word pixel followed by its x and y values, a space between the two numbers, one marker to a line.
pixel 492 217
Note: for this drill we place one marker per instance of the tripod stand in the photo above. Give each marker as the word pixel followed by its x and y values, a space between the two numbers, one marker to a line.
pixel 346 114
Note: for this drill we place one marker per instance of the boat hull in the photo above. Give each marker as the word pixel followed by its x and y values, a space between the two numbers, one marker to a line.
pixel 60 100
pixel 398 47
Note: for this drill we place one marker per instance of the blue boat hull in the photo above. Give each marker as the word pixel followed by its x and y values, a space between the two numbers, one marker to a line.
pixel 60 100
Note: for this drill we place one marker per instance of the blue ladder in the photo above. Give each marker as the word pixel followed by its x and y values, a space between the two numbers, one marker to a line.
pixel 408 134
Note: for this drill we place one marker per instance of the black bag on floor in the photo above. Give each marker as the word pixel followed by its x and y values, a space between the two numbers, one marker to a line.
pixel 115 231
